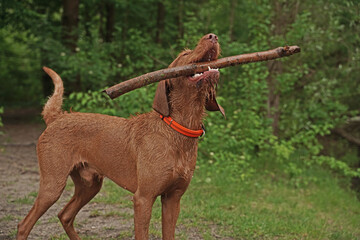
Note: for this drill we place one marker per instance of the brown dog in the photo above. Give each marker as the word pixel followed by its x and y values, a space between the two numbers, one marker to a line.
pixel 150 154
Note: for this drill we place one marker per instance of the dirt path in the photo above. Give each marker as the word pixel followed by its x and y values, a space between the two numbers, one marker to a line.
pixel 19 184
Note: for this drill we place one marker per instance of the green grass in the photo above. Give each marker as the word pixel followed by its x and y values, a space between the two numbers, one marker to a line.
pixel 12 234
pixel 7 218
pixel 29 199
pixel 264 207
pixel 113 194
pixel 267 209
pixel 125 234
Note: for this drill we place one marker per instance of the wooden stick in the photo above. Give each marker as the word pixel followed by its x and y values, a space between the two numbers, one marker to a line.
pixel 187 70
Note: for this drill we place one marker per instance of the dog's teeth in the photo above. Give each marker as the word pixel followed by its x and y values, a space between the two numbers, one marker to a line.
pixel 209 68
pixel 216 69
pixel 197 75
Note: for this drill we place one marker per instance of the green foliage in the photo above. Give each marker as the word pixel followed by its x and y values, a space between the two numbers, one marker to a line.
pixel 19 69
pixel 311 105
pixel 91 101
pixel 97 102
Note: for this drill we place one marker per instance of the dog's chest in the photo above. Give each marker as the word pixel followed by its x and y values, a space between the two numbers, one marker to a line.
pixel 185 163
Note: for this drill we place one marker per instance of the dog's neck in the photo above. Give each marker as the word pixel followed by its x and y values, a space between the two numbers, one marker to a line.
pixel 187 107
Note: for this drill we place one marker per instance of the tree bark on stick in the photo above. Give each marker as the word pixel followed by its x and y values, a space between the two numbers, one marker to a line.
pixel 187 70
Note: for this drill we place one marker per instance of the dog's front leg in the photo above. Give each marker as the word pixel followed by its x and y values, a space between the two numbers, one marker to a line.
pixel 142 215
pixel 170 213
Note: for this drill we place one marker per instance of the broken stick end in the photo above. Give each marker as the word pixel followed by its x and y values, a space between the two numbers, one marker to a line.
pixel 294 49
pixel 287 50
pixel 108 94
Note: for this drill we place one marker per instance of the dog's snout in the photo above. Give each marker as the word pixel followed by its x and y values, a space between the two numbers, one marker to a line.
pixel 212 37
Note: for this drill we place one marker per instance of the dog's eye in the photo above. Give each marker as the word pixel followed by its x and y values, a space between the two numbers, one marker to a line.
pixel 186 52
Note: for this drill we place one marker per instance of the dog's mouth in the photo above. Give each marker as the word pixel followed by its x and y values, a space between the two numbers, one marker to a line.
pixel 212 74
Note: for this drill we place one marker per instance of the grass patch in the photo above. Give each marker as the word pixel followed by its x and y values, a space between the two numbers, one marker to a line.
pixel 125 234
pixel 95 213
pixel 29 199
pixel 7 218
pixel 12 234
pixel 109 228
pixel 69 185
pixel 268 209
pixel 113 194
pixel 63 236
pixel 54 220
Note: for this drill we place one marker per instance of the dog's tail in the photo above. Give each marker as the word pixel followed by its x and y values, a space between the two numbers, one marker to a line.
pixel 52 108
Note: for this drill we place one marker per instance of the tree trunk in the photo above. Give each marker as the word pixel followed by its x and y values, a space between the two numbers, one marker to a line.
pixel 285 13
pixel 232 19
pixel 110 21
pixel 101 20
pixel 355 181
pixel 47 85
pixel 273 101
pixel 70 20
pixel 352 137
pixel 160 21
pixel 124 28
pixel 87 19
pixel 180 18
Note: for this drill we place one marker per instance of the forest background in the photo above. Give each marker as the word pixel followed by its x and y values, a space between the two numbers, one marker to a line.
pixel 293 121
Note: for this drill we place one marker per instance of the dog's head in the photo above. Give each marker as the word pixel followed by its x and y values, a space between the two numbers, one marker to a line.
pixel 204 84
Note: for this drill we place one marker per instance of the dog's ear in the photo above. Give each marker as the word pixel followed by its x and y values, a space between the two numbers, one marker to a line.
pixel 161 100
pixel 212 105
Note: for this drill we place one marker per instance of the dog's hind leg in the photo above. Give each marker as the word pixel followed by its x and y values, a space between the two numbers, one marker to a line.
pixel 87 184
pixel 49 192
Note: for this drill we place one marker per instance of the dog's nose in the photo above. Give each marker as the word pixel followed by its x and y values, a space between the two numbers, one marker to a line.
pixel 212 37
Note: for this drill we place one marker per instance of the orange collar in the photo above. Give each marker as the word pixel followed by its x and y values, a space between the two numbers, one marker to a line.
pixel 181 129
